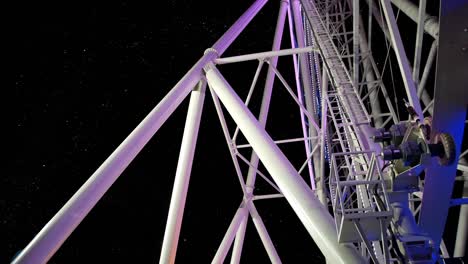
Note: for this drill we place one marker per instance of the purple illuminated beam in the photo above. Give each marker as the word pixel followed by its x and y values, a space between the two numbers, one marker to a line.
pixel 59 228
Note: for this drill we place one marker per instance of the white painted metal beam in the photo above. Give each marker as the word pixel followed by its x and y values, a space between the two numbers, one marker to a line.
pixel 57 230
pixel 419 40
pixel 402 58
pixel 263 55
pixel 431 24
pixel 310 211
pixel 241 215
pixel 264 109
pixel 182 178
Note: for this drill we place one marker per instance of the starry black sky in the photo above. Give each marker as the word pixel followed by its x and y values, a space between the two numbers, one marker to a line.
pixel 79 96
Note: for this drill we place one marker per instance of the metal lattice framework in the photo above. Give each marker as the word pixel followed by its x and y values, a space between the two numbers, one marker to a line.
pixel 383 211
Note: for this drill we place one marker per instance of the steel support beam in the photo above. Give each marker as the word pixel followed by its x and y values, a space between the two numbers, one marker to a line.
pixel 422 93
pixel 402 59
pixel 356 33
pixel 263 55
pixel 370 77
pixel 241 215
pixel 419 40
pixel 263 233
pixel 59 228
pixel 264 108
pixel 239 241
pixel 182 178
pixel 371 68
pixel 431 24
pixel 450 104
pixel 310 211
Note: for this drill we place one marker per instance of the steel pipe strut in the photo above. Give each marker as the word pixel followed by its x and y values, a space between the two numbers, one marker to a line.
pixel 263 233
pixel 431 23
pixel 240 216
pixel 402 59
pixel 375 11
pixel 182 178
pixel 310 211
pixel 264 55
pixel 264 109
pixel 59 228
pixel 419 40
pixel 370 78
pixel 422 92
pixel 239 242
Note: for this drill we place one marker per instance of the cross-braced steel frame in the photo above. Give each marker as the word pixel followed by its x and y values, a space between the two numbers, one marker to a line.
pixel 381 213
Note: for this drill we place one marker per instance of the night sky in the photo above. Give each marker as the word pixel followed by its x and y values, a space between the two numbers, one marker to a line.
pixel 76 98
pixel 119 59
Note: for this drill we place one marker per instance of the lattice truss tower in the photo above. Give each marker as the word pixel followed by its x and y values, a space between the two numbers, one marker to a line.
pixel 375 185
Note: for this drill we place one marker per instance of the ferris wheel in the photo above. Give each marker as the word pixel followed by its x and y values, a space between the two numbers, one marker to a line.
pixel 382 145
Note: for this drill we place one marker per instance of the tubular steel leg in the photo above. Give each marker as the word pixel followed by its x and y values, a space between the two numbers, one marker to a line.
pixel 182 178
pixel 384 91
pixel 431 24
pixel 263 55
pixel 310 211
pixel 239 242
pixel 422 93
pixel 57 230
pixel 265 106
pixel 419 40
pixel 370 77
pixel 268 87
pixel 402 59
pixel 237 250
pixel 232 149
pixel 264 236
pixel 356 33
pixel 226 243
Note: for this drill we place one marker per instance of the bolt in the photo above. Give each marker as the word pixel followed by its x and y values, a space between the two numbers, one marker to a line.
pixel 464 49
pixel 465 30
